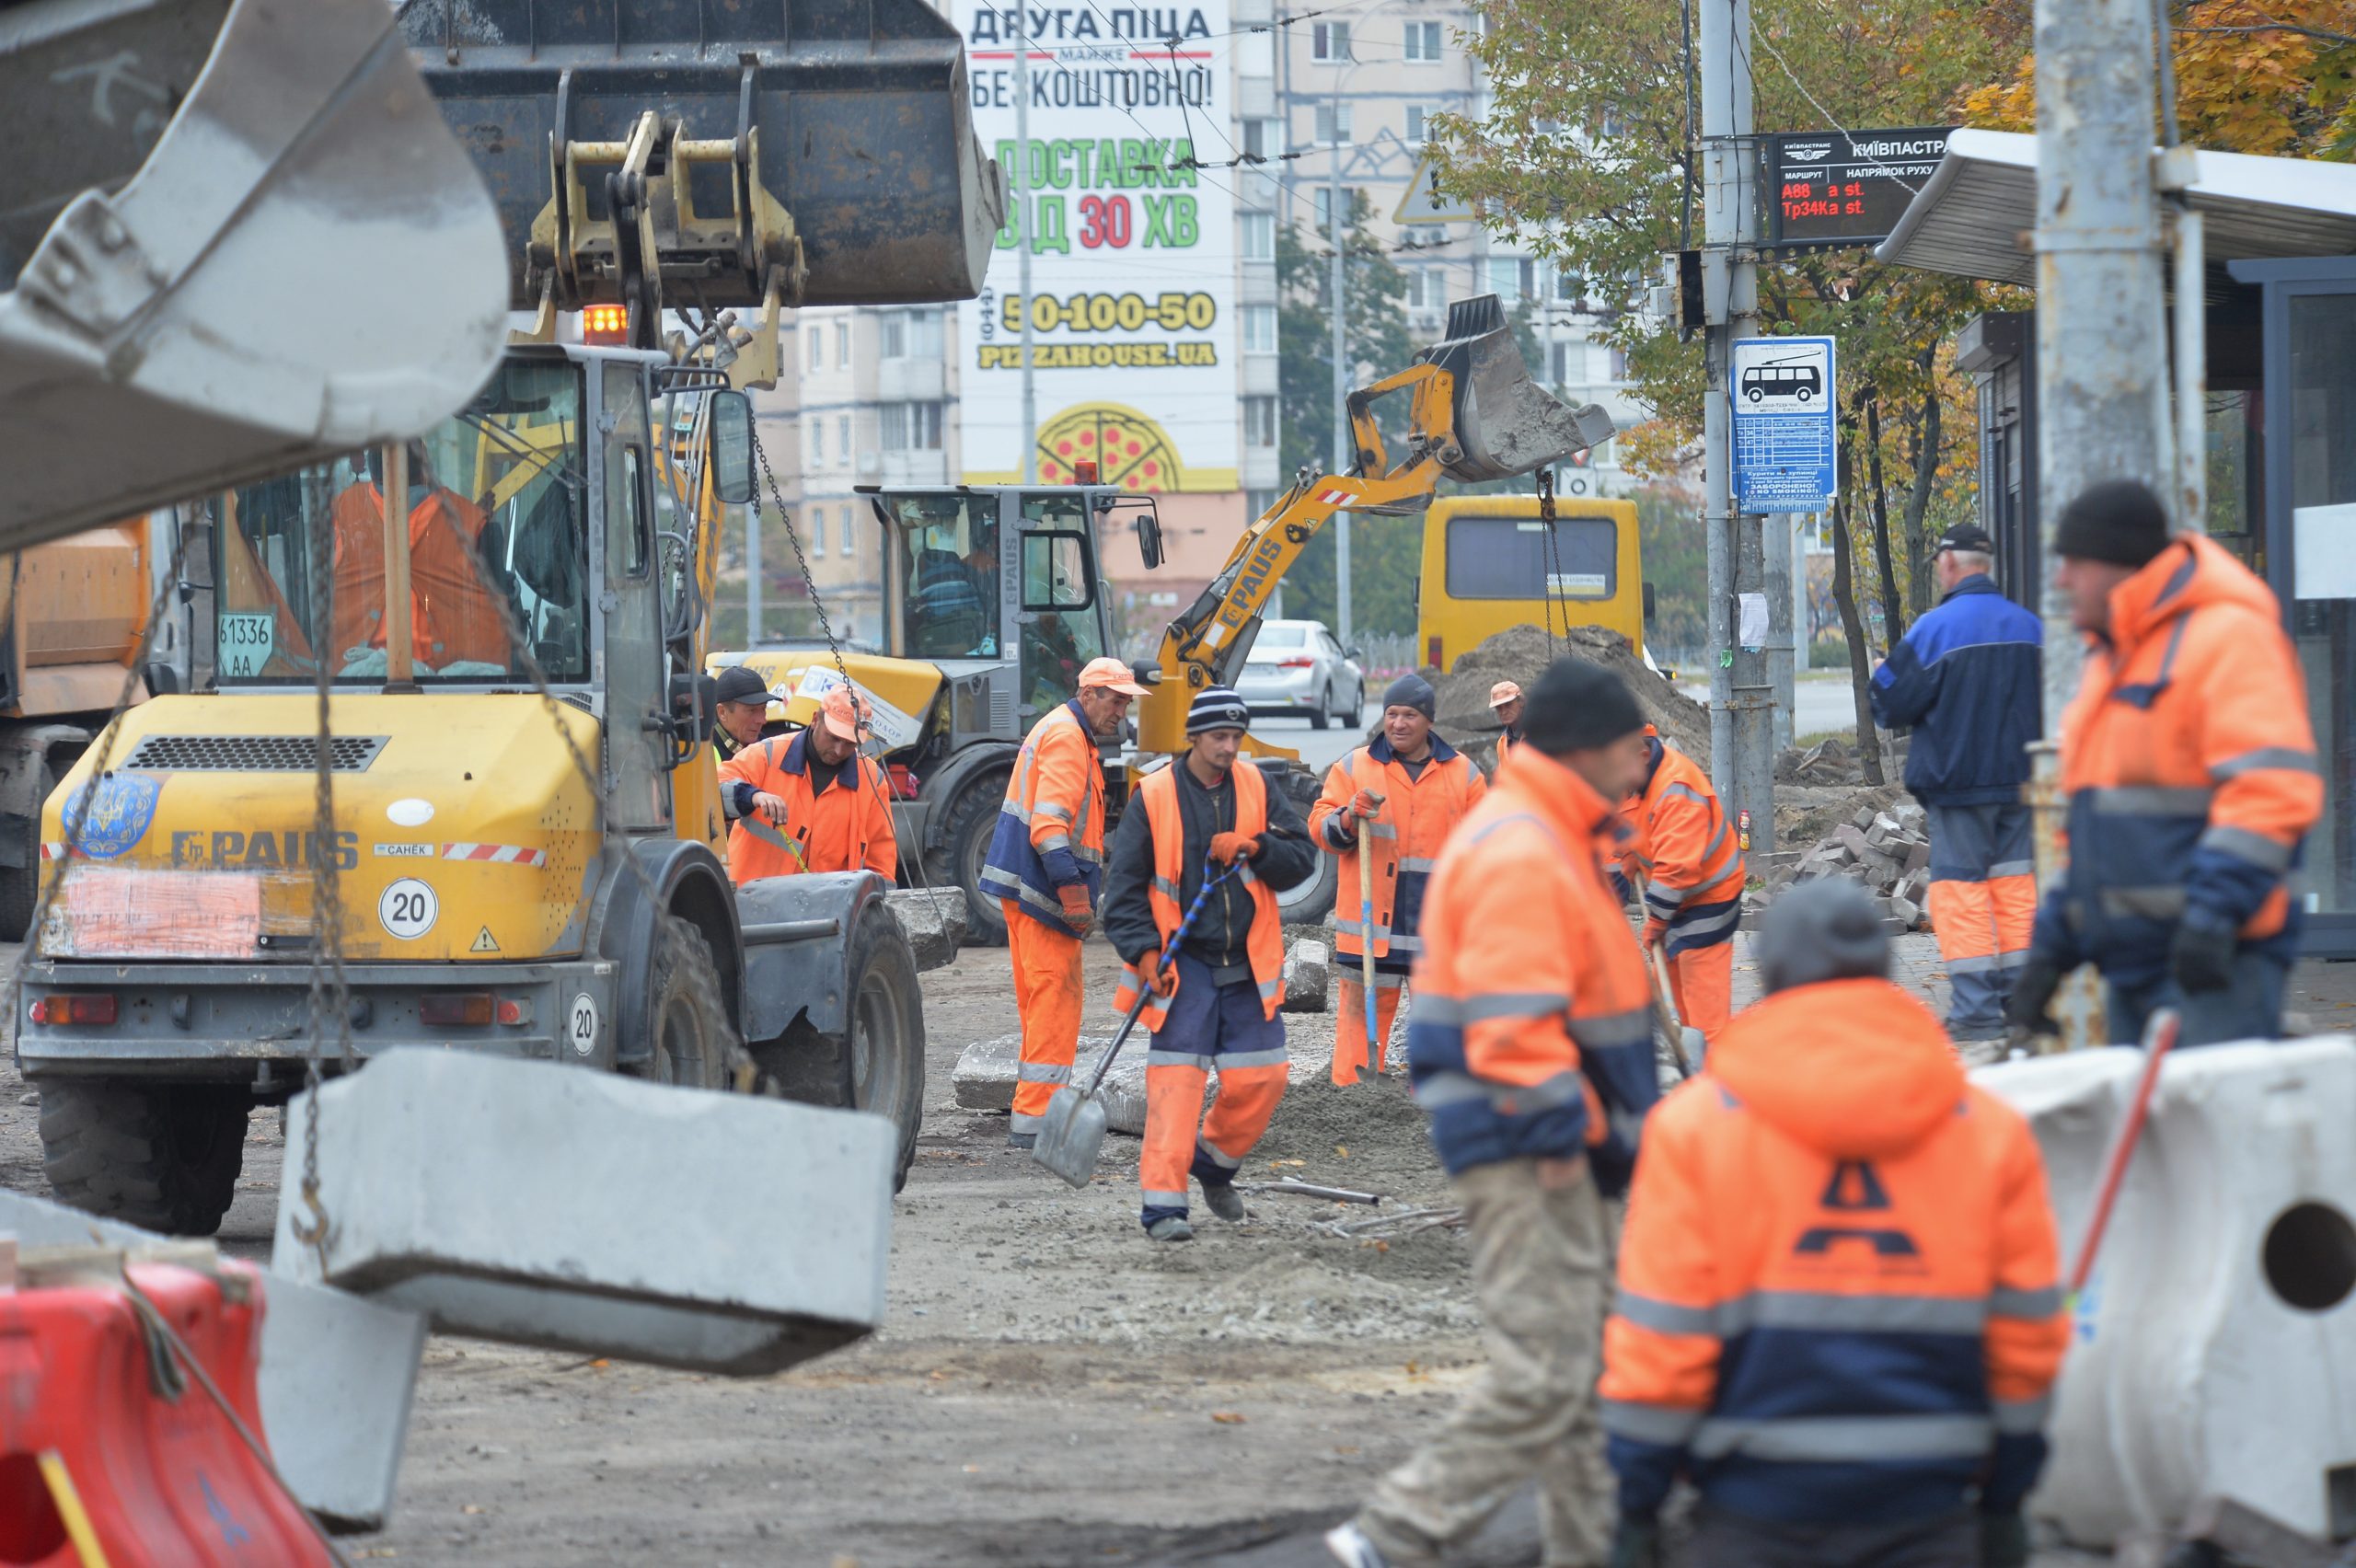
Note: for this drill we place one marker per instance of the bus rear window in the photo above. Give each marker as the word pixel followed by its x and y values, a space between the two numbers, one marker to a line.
pixel 1506 557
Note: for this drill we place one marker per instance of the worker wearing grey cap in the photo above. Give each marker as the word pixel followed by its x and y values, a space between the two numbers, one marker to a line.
pixel 740 709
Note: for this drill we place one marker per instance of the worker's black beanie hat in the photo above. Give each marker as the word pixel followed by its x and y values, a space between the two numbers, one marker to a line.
pixel 1826 929
pixel 2119 521
pixel 1576 706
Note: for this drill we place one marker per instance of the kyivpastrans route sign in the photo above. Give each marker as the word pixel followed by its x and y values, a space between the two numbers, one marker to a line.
pixel 1783 409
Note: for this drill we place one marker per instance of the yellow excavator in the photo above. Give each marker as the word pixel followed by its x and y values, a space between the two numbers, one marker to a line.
pixel 524 805
pixel 996 597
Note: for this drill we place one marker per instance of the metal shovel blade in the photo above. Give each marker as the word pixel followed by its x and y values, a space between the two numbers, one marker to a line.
pixel 1070 1135
pixel 1505 423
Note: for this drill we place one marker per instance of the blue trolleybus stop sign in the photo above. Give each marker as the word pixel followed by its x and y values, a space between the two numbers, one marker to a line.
pixel 1784 404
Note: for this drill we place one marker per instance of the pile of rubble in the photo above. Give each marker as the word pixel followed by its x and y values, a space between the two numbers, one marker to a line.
pixel 1887 852
pixel 1828 762
pixel 1521 653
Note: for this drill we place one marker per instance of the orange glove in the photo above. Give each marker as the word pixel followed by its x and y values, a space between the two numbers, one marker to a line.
pixel 1365 804
pixel 1654 931
pixel 1161 980
pixel 1226 846
pixel 1074 898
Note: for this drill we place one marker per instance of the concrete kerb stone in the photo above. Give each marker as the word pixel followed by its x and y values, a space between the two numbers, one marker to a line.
pixel 933 919
pixel 599 1214
pixel 335 1380
pixel 1307 977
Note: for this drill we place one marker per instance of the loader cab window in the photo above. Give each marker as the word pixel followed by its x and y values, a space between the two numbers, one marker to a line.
pixel 494 535
pixel 1061 631
pixel 945 550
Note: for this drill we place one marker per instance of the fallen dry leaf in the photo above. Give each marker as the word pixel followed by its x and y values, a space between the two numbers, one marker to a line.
pixel 1342 1151
pixel 471 1509
pixel 1228 1417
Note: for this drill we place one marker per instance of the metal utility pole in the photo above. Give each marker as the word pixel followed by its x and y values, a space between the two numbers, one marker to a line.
pixel 1344 455
pixel 1023 240
pixel 2101 367
pixel 1742 760
pixel 1775 546
pixel 753 574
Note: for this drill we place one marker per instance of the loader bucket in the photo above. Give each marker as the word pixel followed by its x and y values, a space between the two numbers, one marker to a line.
pixel 858 118
pixel 233 238
pixel 1505 423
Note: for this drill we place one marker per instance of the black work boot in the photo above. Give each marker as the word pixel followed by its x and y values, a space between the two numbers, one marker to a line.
pixel 1224 1200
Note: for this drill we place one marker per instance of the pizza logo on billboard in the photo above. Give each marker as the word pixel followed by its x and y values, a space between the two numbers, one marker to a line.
pixel 120 807
pixel 1129 449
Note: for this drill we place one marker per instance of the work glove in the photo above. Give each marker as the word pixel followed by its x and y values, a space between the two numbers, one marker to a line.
pixel 1365 804
pixel 2028 1009
pixel 2003 1541
pixel 1655 931
pixel 1226 846
pixel 1077 910
pixel 1159 978
pixel 2202 953
pixel 1635 1543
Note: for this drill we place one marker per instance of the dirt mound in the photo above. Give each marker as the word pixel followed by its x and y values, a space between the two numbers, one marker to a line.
pixel 1521 653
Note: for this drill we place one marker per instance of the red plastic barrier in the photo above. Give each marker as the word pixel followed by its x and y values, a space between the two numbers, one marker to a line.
pixel 86 1426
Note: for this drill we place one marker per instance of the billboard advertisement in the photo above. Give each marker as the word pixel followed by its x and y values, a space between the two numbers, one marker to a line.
pixel 1132 315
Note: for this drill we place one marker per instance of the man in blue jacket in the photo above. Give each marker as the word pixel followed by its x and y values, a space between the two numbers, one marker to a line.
pixel 1968 679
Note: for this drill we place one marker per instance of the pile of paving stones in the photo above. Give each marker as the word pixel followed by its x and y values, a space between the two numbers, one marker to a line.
pixel 1886 852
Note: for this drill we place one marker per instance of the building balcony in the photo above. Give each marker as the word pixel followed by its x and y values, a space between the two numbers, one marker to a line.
pixel 910 380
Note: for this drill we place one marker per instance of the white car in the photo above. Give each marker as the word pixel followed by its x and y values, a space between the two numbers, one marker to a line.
pixel 1296 666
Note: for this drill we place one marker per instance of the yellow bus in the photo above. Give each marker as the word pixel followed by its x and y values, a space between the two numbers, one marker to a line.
pixel 1486 567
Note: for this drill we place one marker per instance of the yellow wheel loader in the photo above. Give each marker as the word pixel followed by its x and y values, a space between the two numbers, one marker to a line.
pixel 996 597
pixel 525 806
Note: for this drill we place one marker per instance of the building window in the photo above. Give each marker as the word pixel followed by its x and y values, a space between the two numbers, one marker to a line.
pixel 911 427
pixel 1332 123
pixel 1262 138
pixel 850 536
pixel 817 531
pixel 842 345
pixel 1505 278
pixel 1321 205
pixel 1619 364
pixel 1258 502
pixel 1330 40
pixel 1423 42
pixel 1259 235
pixel 1416 127
pixel 892 336
pixel 817 454
pixel 1259 421
pixel 1565 356
pixel 911 334
pixel 817 349
pixel 1259 328
pixel 1529 278
pixel 1568 285
pixel 842 439
pixel 1423 289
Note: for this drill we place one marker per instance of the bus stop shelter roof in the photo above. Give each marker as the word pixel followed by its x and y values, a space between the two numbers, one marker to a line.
pixel 1974 216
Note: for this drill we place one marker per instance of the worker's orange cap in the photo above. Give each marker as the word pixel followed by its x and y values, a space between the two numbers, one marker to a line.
pixel 1503 693
pixel 839 711
pixel 1109 674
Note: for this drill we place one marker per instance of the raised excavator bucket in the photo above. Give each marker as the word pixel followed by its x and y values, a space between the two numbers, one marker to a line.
pixel 802 152
pixel 1505 423
pixel 235 237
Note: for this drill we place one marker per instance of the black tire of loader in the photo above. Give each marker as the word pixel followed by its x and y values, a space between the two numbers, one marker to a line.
pixel 20 885
pixel 972 818
pixel 162 1157
pixel 692 1040
pixel 877 1064
pixel 1308 902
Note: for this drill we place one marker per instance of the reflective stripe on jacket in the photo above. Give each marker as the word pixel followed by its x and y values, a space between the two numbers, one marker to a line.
pixel 846 828
pixel 1839 1293
pixel 1050 831
pixel 1265 947
pixel 1682 844
pixel 1417 816
pixel 1531 1027
pixel 1970 678
pixel 2190 768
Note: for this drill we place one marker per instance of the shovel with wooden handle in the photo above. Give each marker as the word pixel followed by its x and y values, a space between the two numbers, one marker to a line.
pixel 1072 1132
pixel 1664 1010
pixel 1366 933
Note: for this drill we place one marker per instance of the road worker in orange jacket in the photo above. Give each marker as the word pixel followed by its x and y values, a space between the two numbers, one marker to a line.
pixel 1214 1006
pixel 2192 779
pixel 1530 1042
pixel 1839 1313
pixel 1682 852
pixel 809 803
pixel 1403 795
pixel 1505 701
pixel 455 618
pixel 1045 864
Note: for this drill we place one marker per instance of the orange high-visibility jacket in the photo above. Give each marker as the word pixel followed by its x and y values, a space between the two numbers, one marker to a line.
pixel 1837 1285
pixel 2190 768
pixel 1530 1034
pixel 452 615
pixel 1417 816
pixel 1682 844
pixel 1264 947
pixel 1050 831
pixel 844 828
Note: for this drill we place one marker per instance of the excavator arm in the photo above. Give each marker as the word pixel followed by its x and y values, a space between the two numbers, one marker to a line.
pixel 1473 415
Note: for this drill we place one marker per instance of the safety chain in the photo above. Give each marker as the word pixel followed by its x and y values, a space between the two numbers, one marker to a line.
pixel 329 984
pixel 74 826
pixel 914 862
pixel 1553 549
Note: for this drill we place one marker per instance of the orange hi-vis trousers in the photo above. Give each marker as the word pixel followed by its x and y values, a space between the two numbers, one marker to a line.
pixel 1209 1026
pixel 1983 903
pixel 1349 1023
pixel 1047 993
pixel 1701 982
